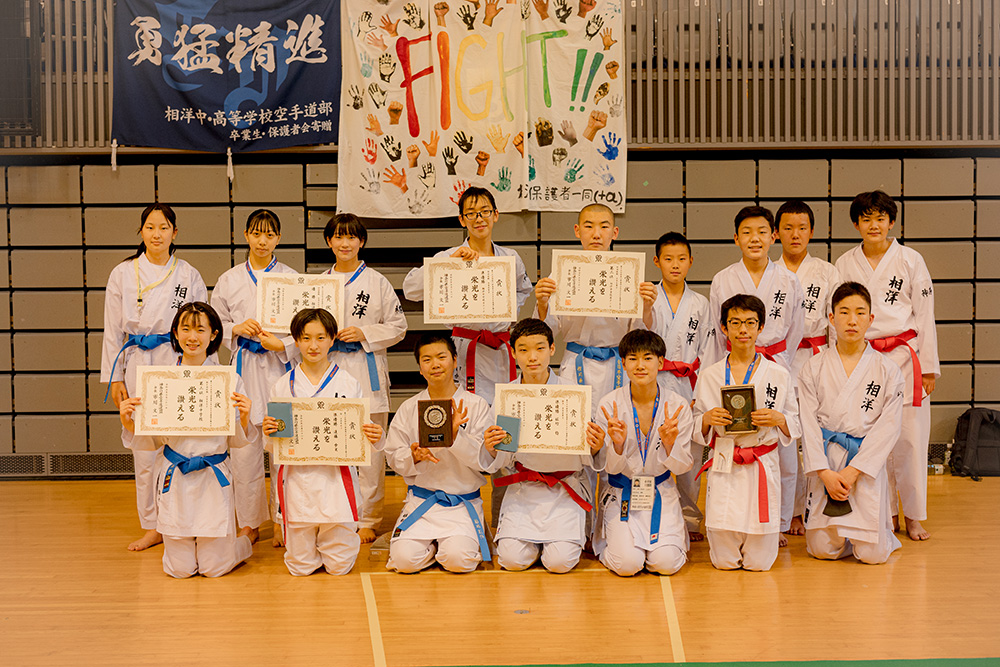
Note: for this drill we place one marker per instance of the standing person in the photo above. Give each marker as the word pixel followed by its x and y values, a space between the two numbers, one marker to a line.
pixel 143 293
pixel 195 502
pixel 796 223
pixel 851 403
pixel 260 357
pixel 904 329
pixel 680 316
pixel 741 506
pixel 779 338
pixel 484 354
pixel 373 322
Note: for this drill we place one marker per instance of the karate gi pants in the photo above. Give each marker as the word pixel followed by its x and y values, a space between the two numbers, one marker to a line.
pixel 457 554
pixel 185 557
pixel 732 550
pixel 308 546
pixel 557 557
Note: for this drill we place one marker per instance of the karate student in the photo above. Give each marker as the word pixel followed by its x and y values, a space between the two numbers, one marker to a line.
pixel 818 278
pixel 373 322
pixel 442 516
pixel 650 428
pixel 545 510
pixel 778 341
pixel 260 357
pixel 903 305
pixel 319 503
pixel 744 492
pixel 194 500
pixel 484 354
pixel 680 316
pixel 143 293
pixel 851 403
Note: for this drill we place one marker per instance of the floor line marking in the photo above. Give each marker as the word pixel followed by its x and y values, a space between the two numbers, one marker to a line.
pixel 676 645
pixel 374 629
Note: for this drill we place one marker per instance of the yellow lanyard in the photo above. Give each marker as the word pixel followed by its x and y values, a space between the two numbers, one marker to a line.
pixel 139 289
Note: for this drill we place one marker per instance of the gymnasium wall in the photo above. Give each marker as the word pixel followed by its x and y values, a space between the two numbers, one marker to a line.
pixel 64 226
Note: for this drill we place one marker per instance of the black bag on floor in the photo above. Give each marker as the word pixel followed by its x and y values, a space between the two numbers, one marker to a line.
pixel 976 451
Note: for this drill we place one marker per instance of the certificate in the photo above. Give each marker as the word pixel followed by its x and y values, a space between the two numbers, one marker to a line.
pixel 601 284
pixel 186 400
pixel 460 290
pixel 281 295
pixel 327 431
pixel 553 418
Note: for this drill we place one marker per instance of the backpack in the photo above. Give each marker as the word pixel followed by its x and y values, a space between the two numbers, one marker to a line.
pixel 976 451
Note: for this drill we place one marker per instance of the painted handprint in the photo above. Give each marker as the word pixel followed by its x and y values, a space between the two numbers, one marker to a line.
pixel 357 97
pixel 602 92
pixel 386 67
pixel 611 143
pixel 427 175
pixel 607 39
pixel 374 126
pixel 468 16
pixel 414 18
pixel 563 10
pixel 542 7
pixel 376 41
pixel 365 23
pixel 432 146
pixel 543 132
pixel 585 6
pixel 419 201
pixel 463 141
pixel 573 168
pixel 497 138
pixel 392 147
pixel 502 184
pixel 450 160
pixel 492 9
pixel 531 168
pixel 460 187
pixel 366 65
pixel 372 184
pixel 397 178
pixel 568 133
pixel 482 159
pixel 594 25
pixel 377 94
pixel 617 106
pixel 604 174
pixel 389 26
pixel 370 151
pixel 525 9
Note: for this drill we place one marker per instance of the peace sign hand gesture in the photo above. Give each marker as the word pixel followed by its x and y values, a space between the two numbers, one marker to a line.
pixel 668 430
pixel 616 428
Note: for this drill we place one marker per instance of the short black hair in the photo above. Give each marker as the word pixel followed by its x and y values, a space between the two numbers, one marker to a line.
pixel 531 326
pixel 672 238
pixel 171 217
pixel 795 207
pixel 847 289
pixel 307 315
pixel 191 311
pixel 431 337
pixel 754 212
pixel 743 302
pixel 876 201
pixel 639 341
pixel 346 224
pixel 475 192
pixel 265 220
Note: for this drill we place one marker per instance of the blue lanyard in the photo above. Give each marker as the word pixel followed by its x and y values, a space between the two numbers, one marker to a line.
pixel 644 442
pixel 274 261
pixel 333 371
pixel 354 276
pixel 673 313
pixel 746 380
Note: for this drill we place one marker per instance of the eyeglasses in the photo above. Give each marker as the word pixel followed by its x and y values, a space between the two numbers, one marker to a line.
pixel 734 324
pixel 476 215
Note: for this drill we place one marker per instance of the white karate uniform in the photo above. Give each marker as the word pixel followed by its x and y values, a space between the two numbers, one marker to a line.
pixel 492 366
pixel 819 279
pixel 371 304
pixel 689 335
pixel 625 547
pixel 736 536
pixel 867 404
pixel 536 519
pixel 195 515
pixel 320 510
pixel 123 317
pixel 457 472
pixel 235 300
pixel 903 299
pixel 782 294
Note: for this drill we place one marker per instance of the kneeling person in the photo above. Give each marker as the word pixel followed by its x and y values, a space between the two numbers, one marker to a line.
pixel 640 523
pixel 851 398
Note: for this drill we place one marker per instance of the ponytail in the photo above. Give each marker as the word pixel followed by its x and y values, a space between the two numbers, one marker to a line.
pixel 171 217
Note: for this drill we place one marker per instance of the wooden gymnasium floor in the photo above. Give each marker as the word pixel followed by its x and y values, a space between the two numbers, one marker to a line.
pixel 72 594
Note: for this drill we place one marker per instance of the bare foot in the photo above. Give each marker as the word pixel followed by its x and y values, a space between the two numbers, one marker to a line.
pixel 695 536
pixel 366 534
pixel 252 533
pixel 895 523
pixel 278 540
pixel 782 540
pixel 797 527
pixel 916 532
pixel 150 539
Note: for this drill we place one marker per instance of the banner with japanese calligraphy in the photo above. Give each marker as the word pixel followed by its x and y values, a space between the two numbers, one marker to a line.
pixel 209 75
pixel 526 98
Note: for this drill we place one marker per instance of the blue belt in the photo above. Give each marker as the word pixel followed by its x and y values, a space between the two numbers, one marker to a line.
pixel 597 354
pixel 432 498
pixel 250 345
pixel 144 342
pixel 188 465
pixel 624 483
pixel 849 442
pixel 341 346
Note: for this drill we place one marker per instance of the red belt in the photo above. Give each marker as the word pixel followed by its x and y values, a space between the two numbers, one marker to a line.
pixel 551 478
pixel 890 343
pixel 489 339
pixel 813 342
pixel 768 351
pixel 680 369
pixel 345 474
pixel 745 456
